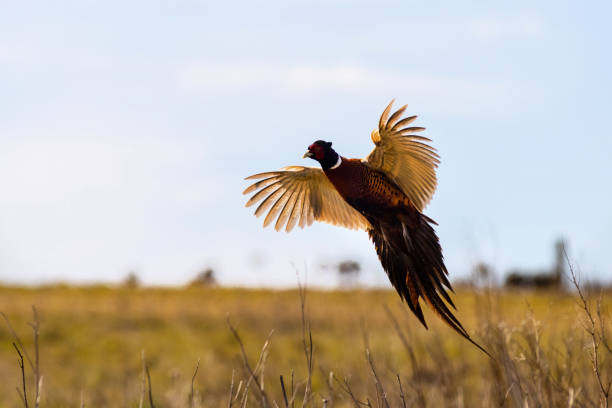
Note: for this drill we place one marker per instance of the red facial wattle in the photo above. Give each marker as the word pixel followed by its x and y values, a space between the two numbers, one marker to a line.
pixel 317 150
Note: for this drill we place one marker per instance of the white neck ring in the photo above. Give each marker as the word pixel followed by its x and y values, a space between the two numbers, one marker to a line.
pixel 338 163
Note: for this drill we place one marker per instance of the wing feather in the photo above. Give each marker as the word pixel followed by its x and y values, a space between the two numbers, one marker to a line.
pixel 410 129
pixel 305 212
pixel 287 210
pixel 268 201
pixel 297 210
pixel 395 117
pixel 383 118
pixel 403 122
pixel 260 184
pixel 299 195
pixel 277 206
pixel 404 156
pixel 262 193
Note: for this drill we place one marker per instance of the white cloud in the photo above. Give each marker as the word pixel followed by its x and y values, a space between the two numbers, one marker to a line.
pixel 17 54
pixel 493 29
pixel 53 167
pixel 442 93
pixel 301 78
pixel 91 204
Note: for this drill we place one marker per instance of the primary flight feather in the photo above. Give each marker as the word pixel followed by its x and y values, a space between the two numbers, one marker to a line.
pixel 383 194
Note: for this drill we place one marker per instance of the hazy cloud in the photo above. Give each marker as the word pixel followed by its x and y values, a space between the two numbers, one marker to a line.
pixel 91 204
pixel 449 94
pixel 17 54
pixel 493 29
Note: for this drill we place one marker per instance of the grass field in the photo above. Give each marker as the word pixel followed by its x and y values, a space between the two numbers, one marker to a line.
pixel 91 340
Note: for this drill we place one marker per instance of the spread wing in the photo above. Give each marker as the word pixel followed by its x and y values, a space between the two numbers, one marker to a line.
pixel 297 195
pixel 404 156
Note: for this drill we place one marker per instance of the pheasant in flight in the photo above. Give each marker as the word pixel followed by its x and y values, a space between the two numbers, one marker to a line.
pixel 383 194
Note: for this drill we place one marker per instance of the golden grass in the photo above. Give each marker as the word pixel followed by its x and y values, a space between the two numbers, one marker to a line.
pixel 91 340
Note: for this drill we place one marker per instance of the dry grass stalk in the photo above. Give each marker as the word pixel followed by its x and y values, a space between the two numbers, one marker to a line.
pixel 192 381
pixel 24 395
pixel 402 396
pixel 415 365
pixel 254 374
pixel 284 391
pixel 346 387
pixel 233 396
pixel 17 340
pixel 143 380
pixel 407 346
pixel 381 395
pixel 307 344
pixel 145 385
pixel 37 377
pixel 293 389
pixel 602 327
pixel 34 364
pixel 597 336
pixel 151 405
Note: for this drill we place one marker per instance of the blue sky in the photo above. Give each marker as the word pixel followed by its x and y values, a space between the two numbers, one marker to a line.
pixel 126 129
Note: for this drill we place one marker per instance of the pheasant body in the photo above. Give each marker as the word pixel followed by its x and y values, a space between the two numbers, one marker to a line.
pixel 383 194
pixel 398 230
pixel 367 190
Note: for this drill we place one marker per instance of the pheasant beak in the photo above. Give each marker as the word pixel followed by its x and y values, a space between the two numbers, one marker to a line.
pixel 307 154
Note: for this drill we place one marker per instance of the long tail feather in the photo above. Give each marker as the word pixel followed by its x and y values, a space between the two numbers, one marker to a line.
pixel 410 253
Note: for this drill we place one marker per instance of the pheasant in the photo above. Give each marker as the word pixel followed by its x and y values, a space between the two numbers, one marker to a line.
pixel 383 194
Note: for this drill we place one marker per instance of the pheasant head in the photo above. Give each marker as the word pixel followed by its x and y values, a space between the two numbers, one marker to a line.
pixel 322 152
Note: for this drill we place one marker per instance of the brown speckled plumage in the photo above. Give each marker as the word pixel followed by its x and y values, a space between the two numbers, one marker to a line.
pixel 366 189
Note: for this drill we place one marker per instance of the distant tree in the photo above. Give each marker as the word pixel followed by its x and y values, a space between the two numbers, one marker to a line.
pixel 205 278
pixel 349 272
pixel 132 280
pixel 482 274
pixel 348 267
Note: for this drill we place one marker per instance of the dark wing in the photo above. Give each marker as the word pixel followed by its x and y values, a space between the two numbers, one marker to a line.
pixel 410 253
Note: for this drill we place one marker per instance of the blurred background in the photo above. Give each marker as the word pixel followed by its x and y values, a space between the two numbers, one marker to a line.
pixel 126 129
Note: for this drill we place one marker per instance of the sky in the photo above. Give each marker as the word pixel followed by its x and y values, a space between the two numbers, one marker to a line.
pixel 127 128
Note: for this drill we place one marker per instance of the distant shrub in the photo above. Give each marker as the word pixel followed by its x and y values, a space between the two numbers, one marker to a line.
pixel 349 267
pixel 205 278
pixel 349 272
pixel 132 280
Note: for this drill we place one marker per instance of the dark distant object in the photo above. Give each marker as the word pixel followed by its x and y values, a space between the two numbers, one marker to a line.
pixel 481 271
pixel 545 279
pixel 349 268
pixel 349 273
pixel 205 278
pixel 482 274
pixel 384 194
pixel 131 280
